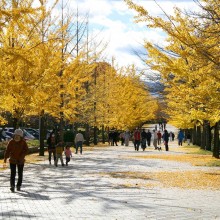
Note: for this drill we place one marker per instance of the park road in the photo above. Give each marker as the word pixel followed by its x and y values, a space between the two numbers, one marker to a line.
pixel 89 188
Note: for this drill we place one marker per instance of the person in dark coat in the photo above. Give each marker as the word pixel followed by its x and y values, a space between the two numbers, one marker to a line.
pixel 143 139
pixel 51 143
pixel 166 139
pixel 115 138
pixel 148 136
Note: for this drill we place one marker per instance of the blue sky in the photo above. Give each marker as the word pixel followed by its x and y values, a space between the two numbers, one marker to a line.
pixel 113 22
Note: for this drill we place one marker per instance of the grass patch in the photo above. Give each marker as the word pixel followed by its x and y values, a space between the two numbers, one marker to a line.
pixel 194 149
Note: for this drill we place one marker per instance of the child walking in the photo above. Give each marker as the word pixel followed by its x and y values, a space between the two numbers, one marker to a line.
pixel 68 154
pixel 59 152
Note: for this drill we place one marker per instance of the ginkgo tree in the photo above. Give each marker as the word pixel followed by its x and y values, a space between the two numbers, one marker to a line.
pixel 189 64
pixel 40 76
pixel 19 49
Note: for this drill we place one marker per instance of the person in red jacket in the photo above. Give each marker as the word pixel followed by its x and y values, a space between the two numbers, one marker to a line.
pixel 137 139
pixel 16 151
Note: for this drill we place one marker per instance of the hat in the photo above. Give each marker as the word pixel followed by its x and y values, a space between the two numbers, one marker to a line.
pixel 18 132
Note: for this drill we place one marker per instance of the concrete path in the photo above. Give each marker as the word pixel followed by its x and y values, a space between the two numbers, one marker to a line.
pixel 83 190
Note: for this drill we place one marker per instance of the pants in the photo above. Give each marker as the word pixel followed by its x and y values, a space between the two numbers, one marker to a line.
pixel 148 142
pixel 180 143
pixel 79 145
pixel 114 142
pixel 155 143
pixel 126 141
pixel 136 145
pixel 159 141
pixel 50 152
pixel 13 174
pixel 166 145
pixel 67 160
pixel 59 156
pixel 122 141
pixel 143 144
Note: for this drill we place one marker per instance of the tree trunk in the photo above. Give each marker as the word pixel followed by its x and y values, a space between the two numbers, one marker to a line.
pixel 208 136
pixel 203 138
pixel 103 134
pixel 194 135
pixel 87 135
pixel 41 133
pixel 216 148
pixel 95 141
pixel 199 136
pixel 15 123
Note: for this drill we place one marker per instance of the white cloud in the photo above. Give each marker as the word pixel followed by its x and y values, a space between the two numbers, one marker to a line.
pixel 113 21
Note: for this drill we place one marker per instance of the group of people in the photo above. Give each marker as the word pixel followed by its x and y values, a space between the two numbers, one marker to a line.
pixel 57 148
pixel 143 139
pixel 17 149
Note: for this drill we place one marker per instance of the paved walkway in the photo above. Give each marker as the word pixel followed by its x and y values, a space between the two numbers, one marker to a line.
pixel 84 191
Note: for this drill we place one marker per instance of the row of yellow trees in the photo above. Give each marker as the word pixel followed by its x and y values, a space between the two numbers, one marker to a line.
pixel 189 65
pixel 40 73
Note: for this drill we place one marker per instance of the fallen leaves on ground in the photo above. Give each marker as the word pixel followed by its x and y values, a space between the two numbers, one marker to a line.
pixel 183 179
pixel 196 160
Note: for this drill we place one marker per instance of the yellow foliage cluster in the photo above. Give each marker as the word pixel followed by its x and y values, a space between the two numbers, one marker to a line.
pixel 189 64
pixel 39 74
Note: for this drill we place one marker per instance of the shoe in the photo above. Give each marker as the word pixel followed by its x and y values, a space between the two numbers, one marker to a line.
pixel 63 164
pixel 12 189
pixel 50 162
pixel 18 188
pixel 66 164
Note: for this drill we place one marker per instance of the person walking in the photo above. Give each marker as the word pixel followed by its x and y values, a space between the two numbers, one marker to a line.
pixel 166 139
pixel 68 154
pixel 171 136
pixel 127 137
pixel 149 135
pixel 115 138
pixel 155 139
pixel 51 142
pixel 159 136
pixel 16 151
pixel 79 139
pixel 122 138
pixel 143 139
pixel 188 137
pixel 137 139
pixel 180 138
pixel 59 152
pixel 110 138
